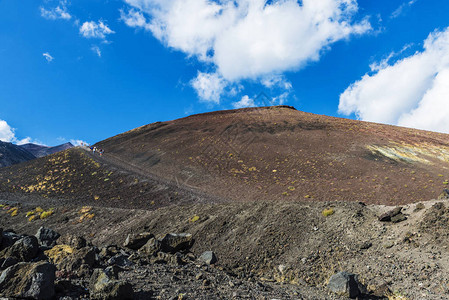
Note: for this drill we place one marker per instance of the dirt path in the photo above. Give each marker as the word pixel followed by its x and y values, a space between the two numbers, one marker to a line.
pixel 116 162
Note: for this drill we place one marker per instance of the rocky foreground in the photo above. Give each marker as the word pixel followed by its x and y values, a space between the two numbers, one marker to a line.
pixel 279 250
pixel 48 266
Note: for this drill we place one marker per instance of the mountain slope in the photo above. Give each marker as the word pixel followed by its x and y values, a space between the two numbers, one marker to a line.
pixel 79 177
pixel 280 153
pixel 41 151
pixel 11 154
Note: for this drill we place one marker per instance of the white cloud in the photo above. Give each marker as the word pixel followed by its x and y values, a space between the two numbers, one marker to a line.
pixel 47 56
pixel 95 30
pixel 134 18
pixel 78 142
pixel 399 11
pixel 96 50
pixel 249 39
pixel 246 101
pixel 59 12
pixel 209 86
pixel 278 81
pixel 410 92
pixel 7 134
pixel 377 66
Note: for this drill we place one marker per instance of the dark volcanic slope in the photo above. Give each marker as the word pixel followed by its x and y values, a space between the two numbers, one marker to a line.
pixel 11 154
pixel 281 153
pixel 41 151
pixel 79 177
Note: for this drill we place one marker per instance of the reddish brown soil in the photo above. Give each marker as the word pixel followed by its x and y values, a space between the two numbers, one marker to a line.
pixel 280 153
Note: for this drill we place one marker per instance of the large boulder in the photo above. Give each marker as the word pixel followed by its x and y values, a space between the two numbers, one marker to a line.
pixel 136 241
pixel 176 242
pixel 346 284
pixel 23 250
pixel 151 248
pixel 72 240
pixel 395 215
pixel 28 280
pixel 103 286
pixel 9 238
pixel 47 237
pixel 78 262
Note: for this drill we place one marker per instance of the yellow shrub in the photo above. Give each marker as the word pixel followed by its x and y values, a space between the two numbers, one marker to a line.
pixel 30 213
pixel 194 219
pixel 32 218
pixel 328 212
pixel 85 209
pixel 58 253
pixel 39 209
pixel 46 214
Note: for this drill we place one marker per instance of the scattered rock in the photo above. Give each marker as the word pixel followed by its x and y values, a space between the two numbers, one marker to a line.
pixel 74 261
pixel 103 287
pixel 152 247
pixel 9 238
pixel 109 251
pixel 444 195
pixel 386 217
pixel 398 218
pixel 366 245
pixel 345 284
pixel 8 262
pixel 23 250
pixel 74 241
pixel 120 260
pixel 28 280
pixel 136 241
pixel 419 207
pixel 47 237
pixel 208 257
pixel 173 242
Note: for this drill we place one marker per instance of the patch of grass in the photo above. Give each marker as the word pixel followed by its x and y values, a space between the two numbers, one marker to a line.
pixel 46 214
pixel 327 212
pixel 194 219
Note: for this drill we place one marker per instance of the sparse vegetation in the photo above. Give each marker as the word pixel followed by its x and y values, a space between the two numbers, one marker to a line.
pixel 39 213
pixel 194 219
pixel 327 212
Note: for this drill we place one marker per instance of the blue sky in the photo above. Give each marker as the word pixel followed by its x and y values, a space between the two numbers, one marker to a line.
pixel 86 70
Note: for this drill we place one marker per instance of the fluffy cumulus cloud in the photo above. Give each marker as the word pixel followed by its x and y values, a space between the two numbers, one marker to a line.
pixel 97 30
pixel 134 18
pixel 411 92
pixel 58 12
pixel 209 86
pixel 248 39
pixel 7 134
pixel 246 101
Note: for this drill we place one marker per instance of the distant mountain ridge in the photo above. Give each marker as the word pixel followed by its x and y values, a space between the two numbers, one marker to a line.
pixel 11 154
pixel 41 151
